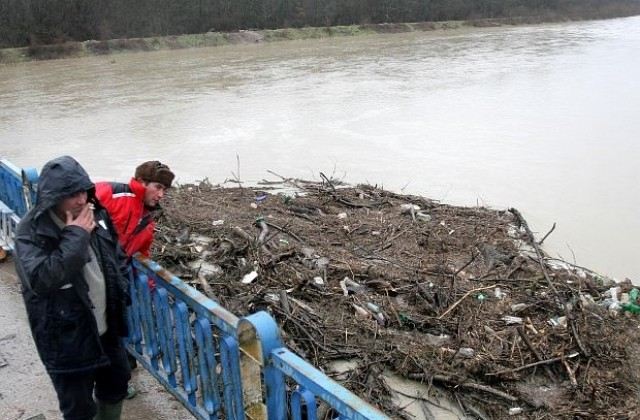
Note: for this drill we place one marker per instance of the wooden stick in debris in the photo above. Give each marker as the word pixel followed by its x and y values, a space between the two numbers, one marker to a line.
pixel 294 321
pixel 469 385
pixel 475 411
pixel 453 278
pixel 530 365
pixel 328 181
pixel 241 233
pixel 570 318
pixel 466 295
pixel 281 229
pixel 533 350
pixel 264 232
pixel 207 288
pixel 288 180
pixel 284 302
pixel 572 374
pixel 548 233
pixel 349 203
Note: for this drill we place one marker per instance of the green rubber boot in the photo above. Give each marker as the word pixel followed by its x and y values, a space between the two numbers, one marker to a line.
pixel 108 411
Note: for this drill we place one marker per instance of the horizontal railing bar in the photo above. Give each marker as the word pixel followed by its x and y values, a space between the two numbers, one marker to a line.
pixel 334 394
pixel 200 303
pixel 11 169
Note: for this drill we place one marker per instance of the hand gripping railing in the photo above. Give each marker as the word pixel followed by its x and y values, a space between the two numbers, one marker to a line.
pixel 220 366
pixel 17 192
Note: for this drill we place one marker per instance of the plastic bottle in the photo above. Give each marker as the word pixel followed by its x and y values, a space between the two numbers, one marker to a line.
pixel 631 307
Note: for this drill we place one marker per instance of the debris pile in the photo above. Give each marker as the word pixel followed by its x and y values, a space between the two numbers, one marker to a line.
pixel 462 299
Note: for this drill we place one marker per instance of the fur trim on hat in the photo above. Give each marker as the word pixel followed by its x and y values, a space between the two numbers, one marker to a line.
pixel 154 171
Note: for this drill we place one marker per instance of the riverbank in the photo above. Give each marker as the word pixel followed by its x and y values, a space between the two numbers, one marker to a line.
pixel 216 39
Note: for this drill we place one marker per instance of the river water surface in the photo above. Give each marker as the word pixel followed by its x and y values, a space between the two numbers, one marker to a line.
pixel 541 118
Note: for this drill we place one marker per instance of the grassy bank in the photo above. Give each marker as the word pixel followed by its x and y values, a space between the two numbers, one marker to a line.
pixel 214 39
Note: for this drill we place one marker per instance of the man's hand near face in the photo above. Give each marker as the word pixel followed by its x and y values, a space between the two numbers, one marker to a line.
pixel 84 219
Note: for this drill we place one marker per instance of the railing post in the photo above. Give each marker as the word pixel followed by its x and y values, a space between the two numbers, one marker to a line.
pixel 258 336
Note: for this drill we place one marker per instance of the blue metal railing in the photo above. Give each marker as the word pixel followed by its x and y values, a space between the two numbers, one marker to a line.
pixel 17 192
pixel 18 187
pixel 216 364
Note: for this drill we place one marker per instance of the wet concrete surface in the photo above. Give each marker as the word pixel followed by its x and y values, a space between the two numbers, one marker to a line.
pixel 25 389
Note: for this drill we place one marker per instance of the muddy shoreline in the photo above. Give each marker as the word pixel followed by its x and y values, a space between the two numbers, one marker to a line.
pixel 215 39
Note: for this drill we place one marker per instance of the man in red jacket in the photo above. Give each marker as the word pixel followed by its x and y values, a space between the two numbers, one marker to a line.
pixel 132 207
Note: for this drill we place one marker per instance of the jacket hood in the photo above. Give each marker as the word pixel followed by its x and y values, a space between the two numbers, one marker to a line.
pixel 61 178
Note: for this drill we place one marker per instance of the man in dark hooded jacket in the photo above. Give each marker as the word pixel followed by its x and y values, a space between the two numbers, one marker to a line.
pixel 74 283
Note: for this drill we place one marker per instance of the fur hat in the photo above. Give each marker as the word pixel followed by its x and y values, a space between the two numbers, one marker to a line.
pixel 154 171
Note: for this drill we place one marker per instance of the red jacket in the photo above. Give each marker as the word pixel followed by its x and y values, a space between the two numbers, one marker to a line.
pixel 132 220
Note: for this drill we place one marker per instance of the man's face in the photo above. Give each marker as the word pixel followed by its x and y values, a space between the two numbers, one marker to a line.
pixel 73 204
pixel 153 194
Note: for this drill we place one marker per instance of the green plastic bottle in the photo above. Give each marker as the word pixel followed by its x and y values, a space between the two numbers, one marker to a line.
pixel 631 307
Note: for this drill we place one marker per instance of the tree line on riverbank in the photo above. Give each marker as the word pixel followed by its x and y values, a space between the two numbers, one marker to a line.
pixel 33 22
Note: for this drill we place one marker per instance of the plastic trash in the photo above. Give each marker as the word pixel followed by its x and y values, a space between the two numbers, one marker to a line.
pixel 587 300
pixel 512 319
pixel 513 411
pixel 261 198
pixel 480 297
pixel 517 307
pixel 360 311
pixel 630 307
pixel 409 208
pixel 272 297
pixel 633 295
pixel 248 278
pixel 466 352
pixel 614 293
pixel 217 222
pixel 373 307
pixel 437 340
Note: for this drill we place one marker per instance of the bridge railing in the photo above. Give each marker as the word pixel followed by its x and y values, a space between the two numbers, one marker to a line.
pixel 17 192
pixel 220 366
pixel 216 364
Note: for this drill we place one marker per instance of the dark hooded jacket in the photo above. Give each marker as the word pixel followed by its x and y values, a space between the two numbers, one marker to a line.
pixel 49 259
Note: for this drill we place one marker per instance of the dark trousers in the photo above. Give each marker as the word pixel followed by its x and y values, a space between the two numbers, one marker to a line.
pixel 75 390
